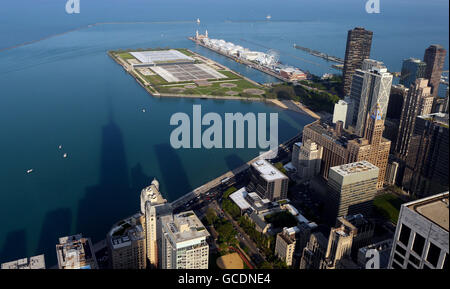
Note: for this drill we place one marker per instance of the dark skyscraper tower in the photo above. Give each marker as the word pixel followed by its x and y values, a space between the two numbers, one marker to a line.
pixel 359 42
pixel 426 171
pixel 434 58
pixel 417 102
pixel 412 69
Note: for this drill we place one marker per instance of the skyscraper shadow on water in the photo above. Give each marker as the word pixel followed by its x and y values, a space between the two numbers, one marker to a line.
pixel 57 223
pixel 14 246
pixel 112 198
pixel 175 182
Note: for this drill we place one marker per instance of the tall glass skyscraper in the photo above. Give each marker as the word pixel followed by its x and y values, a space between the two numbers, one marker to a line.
pixel 412 69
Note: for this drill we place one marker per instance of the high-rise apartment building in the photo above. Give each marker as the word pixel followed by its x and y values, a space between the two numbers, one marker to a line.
pixel 427 166
pixel 184 243
pixel 394 112
pixel 126 243
pixel 306 159
pixel 421 237
pixel 267 181
pixel 418 101
pixel 155 209
pixel 285 245
pixel 358 46
pixel 434 57
pixel 352 188
pixel 412 69
pixel 76 252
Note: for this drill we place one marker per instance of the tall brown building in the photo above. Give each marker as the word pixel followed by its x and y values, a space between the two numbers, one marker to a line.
pixel 340 148
pixel 418 101
pixel 434 58
pixel 359 42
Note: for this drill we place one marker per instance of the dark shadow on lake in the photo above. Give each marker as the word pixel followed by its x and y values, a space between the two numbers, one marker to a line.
pixel 57 223
pixel 138 179
pixel 112 198
pixel 234 161
pixel 174 178
pixel 15 246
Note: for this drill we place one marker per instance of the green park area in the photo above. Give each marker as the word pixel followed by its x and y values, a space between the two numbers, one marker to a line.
pixel 232 87
pixel 388 205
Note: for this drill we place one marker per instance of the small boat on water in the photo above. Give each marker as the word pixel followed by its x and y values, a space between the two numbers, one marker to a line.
pixel 30 171
pixel 60 147
pixel 143 110
pixel 198 20
pixel 65 155
pixel 268 17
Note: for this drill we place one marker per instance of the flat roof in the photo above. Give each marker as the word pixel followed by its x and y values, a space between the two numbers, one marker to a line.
pixel 238 198
pixel 354 168
pixel 434 208
pixel 267 170
pixel 438 118
pixel 186 226
pixel 126 231
pixel 35 262
pixel 160 56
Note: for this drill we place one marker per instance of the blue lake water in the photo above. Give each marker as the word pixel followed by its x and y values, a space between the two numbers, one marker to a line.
pixel 66 91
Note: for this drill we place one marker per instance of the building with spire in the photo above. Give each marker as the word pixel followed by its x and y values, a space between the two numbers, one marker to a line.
pixel 340 146
pixel 155 209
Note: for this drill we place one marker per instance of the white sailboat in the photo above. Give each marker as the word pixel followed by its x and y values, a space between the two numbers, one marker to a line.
pixel 268 17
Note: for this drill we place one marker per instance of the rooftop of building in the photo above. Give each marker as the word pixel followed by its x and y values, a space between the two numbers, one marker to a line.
pixel 127 231
pixel 415 60
pixel 238 198
pixel 153 193
pixel 434 208
pixel 357 220
pixel 288 234
pixel 245 200
pixel 75 252
pixel 327 130
pixel 354 168
pixel 186 226
pixel 438 118
pixel 267 170
pixel 35 262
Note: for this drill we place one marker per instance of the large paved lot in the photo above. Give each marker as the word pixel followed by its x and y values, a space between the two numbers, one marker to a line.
pixel 186 72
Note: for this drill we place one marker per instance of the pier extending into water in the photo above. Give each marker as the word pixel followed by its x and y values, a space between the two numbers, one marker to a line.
pixel 243 61
pixel 316 53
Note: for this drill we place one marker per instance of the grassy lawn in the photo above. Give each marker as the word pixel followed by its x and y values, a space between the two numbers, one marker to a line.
pixel 388 205
pixel 214 89
pixel 229 74
pixel 154 79
pixel 125 55
pixel 185 51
